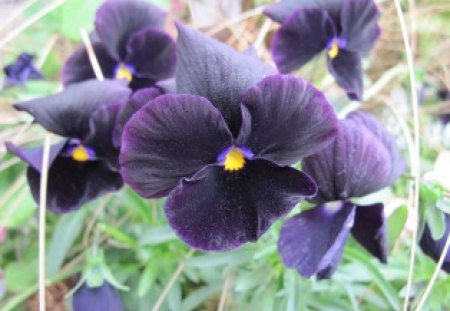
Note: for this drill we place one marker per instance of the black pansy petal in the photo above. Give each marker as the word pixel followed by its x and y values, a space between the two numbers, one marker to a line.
pixel 151 53
pixel 369 230
pixel 359 22
pixel 216 210
pixel 102 298
pixel 346 69
pixel 433 248
pixel 100 138
pixel 280 11
pixel 138 83
pixel 21 70
pixel 72 183
pixel 302 36
pixel 170 138
pixel 137 101
pixel 78 67
pixel 286 119
pixel 33 156
pixel 117 20
pixel 356 164
pixel 214 70
pixel 68 113
pixel 399 164
pixel 313 241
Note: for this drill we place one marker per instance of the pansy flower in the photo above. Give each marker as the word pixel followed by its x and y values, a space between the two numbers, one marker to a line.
pixel 132 45
pixel 21 70
pixel 434 248
pixel 221 148
pixel 363 159
pixel 102 298
pixel 346 29
pixel 84 165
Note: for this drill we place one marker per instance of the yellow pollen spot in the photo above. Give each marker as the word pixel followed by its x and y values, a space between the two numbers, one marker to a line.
pixel 124 73
pixel 80 154
pixel 334 50
pixel 234 160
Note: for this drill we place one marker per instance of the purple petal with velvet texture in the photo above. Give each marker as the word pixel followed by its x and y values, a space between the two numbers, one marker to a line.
pixel 137 101
pixel 286 119
pixel 399 164
pixel 78 68
pixel 170 138
pixel 370 230
pixel 68 113
pixel 356 164
pixel 33 156
pixel 281 10
pixel 100 138
pixel 214 70
pixel 216 210
pixel 117 20
pixel 347 71
pixel 434 248
pixel 152 53
pixel 313 241
pixel 302 36
pixel 359 21
pixel 102 298
pixel 72 184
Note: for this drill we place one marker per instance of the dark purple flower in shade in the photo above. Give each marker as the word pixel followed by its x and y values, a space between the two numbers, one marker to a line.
pixel 132 45
pixel 444 95
pixel 221 153
pixel 347 29
pixel 363 159
pixel 102 298
pixel 434 248
pixel 22 70
pixel 84 165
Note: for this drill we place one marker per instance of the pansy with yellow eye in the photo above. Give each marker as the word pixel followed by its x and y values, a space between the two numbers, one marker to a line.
pixel 222 149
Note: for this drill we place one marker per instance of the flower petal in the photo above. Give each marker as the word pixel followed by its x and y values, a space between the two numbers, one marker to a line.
pixel 399 164
pixel 170 138
pixel 359 21
pixel 78 68
pixel 282 10
pixel 117 20
pixel 21 70
pixel 356 164
pixel 67 113
pixel 72 184
pixel 370 230
pixel 302 36
pixel 347 71
pixel 313 241
pixel 33 156
pixel 137 101
pixel 434 248
pixel 214 70
pixel 286 119
pixel 151 52
pixel 216 210
pixel 103 298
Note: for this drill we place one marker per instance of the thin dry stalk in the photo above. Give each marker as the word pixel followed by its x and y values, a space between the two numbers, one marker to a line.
pixel 225 292
pixel 91 53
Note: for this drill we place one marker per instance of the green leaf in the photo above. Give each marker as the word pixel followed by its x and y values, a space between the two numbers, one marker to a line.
pixel 66 231
pixel 200 296
pixel 436 222
pixel 444 205
pixel 221 259
pixel 395 224
pixel 155 236
pixel 20 275
pixel 147 279
pixel 251 279
pixel 18 210
pixel 117 234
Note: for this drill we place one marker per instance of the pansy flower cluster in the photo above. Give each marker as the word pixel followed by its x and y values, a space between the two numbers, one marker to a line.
pixel 221 142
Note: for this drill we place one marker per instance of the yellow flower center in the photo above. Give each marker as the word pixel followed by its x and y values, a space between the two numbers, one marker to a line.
pixel 234 160
pixel 123 72
pixel 80 154
pixel 334 50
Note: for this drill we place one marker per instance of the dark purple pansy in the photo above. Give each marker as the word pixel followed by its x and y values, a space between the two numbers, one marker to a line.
pixel 347 29
pixel 434 248
pixel 221 153
pixel 102 298
pixel 84 165
pixel 444 95
pixel 22 70
pixel 363 159
pixel 132 45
